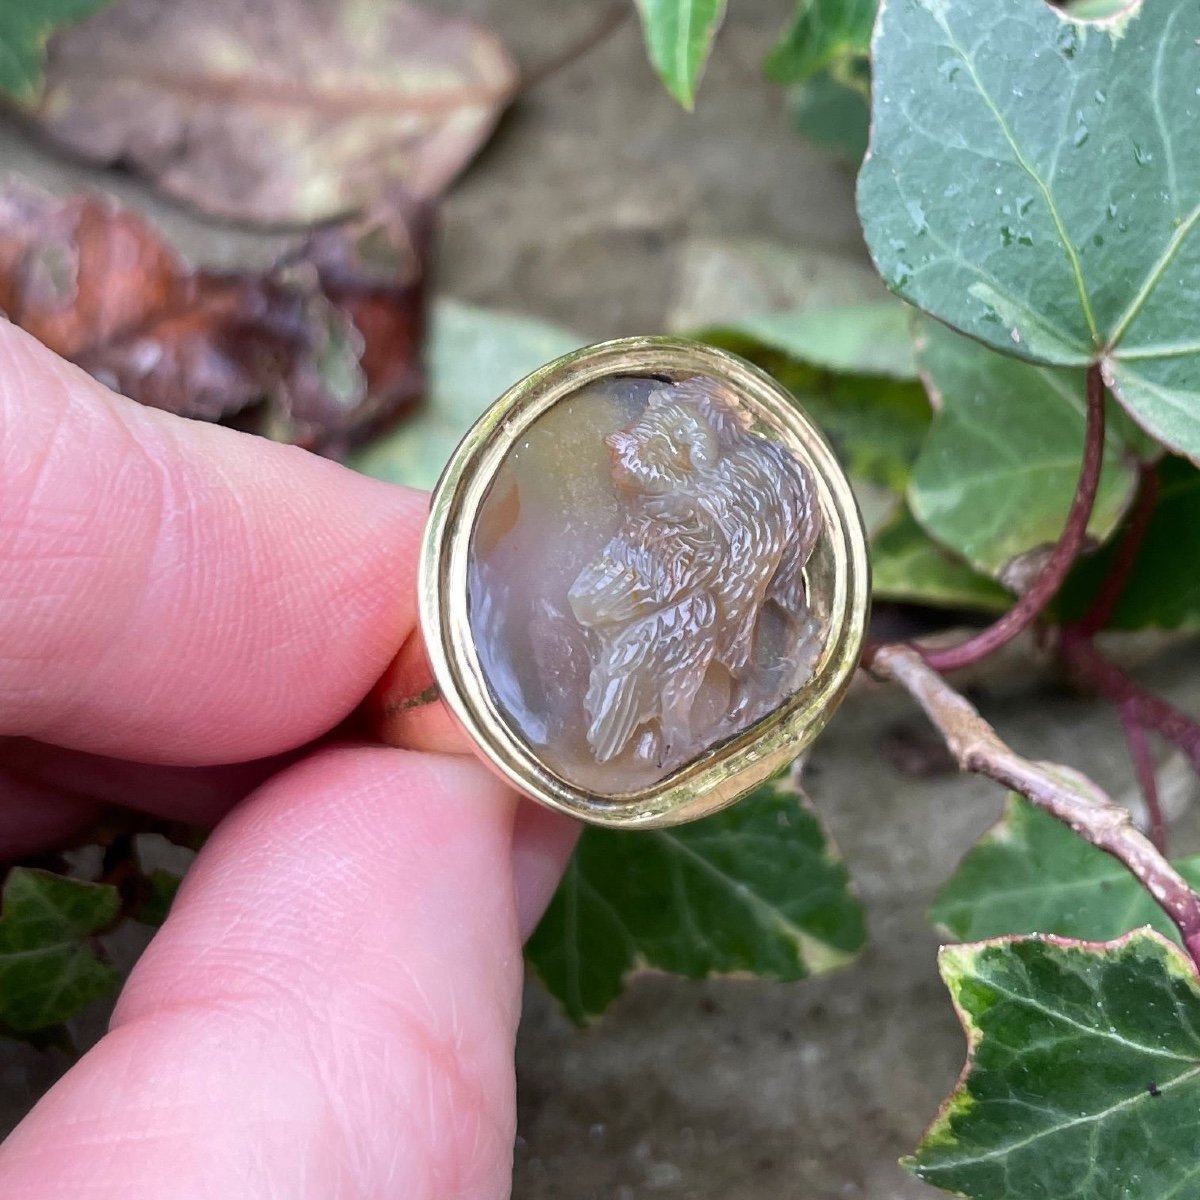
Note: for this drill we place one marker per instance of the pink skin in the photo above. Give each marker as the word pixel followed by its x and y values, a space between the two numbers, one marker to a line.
pixel 329 1011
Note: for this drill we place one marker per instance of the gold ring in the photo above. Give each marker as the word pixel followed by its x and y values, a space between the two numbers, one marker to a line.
pixel 644 582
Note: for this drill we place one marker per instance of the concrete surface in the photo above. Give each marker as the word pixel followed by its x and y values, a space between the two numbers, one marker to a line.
pixel 593 207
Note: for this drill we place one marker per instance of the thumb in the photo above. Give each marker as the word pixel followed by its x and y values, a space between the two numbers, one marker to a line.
pixel 329 1010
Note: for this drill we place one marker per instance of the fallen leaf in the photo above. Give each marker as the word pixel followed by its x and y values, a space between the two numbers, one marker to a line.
pixel 24 28
pixel 78 272
pixel 287 111
pixel 320 351
pixel 474 355
pixel 375 270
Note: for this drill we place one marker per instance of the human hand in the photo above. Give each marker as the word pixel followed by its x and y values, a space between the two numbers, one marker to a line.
pixel 330 1009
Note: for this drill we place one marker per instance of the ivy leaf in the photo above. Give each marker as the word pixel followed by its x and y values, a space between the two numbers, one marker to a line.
pixel 874 338
pixel 1083 1072
pixel 47 970
pixel 720 280
pixel 25 26
pixel 1031 874
pixel 1040 191
pixel 996 475
pixel 876 424
pixel 679 36
pixel 822 33
pixel 474 355
pixel 832 114
pixel 909 566
pixel 1163 592
pixel 158 894
pixel 756 889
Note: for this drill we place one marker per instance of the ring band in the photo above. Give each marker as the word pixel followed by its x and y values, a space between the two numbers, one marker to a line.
pixel 644 583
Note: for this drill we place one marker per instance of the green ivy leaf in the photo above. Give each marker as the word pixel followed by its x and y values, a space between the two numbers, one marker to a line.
pixel 756 889
pixel 832 114
pixel 996 475
pixel 679 36
pixel 25 27
pixel 1039 190
pixel 909 566
pixel 874 338
pixel 1083 1072
pixel 474 355
pixel 159 888
pixel 822 33
pixel 720 280
pixel 1163 592
pixel 47 970
pixel 1031 874
pixel 875 424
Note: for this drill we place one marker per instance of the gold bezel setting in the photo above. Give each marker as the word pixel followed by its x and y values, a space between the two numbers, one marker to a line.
pixel 727 771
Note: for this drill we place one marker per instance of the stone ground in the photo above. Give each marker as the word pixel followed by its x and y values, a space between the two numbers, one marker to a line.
pixel 602 206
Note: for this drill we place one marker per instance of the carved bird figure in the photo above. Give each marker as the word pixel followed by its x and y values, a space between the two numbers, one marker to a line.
pixel 718 522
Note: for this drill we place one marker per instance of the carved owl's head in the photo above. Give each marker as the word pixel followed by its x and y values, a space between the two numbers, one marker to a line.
pixel 665 448
pixel 718 406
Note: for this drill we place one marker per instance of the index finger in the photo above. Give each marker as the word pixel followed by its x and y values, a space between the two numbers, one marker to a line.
pixel 177 592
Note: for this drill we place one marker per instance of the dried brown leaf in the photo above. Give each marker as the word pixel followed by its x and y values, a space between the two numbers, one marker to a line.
pixel 279 111
pixel 374 270
pixel 318 352
pixel 78 272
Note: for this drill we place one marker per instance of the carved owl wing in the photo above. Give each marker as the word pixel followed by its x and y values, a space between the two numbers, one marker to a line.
pixel 622 585
pixel 754 549
pixel 647 601
pixel 653 561
pixel 788 588
pixel 766 501
pixel 644 662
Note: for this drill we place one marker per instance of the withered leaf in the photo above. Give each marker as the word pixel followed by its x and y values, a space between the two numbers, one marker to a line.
pixel 374 270
pixel 319 351
pixel 78 272
pixel 281 111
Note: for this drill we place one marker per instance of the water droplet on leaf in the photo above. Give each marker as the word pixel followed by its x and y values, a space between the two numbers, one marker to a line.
pixel 917 215
pixel 1067 41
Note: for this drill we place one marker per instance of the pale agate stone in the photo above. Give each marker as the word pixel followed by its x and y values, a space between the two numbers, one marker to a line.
pixel 640 580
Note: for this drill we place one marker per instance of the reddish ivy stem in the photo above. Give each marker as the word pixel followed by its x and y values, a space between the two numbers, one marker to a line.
pixel 1045 587
pixel 1100 613
pixel 1058 790
pixel 1143 766
pixel 1093 670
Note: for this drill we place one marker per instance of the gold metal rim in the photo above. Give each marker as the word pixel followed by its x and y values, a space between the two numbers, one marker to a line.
pixel 734 767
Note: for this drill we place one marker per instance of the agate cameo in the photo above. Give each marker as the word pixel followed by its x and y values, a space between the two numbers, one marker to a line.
pixel 644 582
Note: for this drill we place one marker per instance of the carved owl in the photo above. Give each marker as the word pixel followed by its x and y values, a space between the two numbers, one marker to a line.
pixel 719 522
